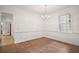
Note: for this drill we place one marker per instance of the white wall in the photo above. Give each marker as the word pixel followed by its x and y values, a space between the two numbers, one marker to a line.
pixel 0 22
pixel 52 26
pixel 26 25
pixel 53 21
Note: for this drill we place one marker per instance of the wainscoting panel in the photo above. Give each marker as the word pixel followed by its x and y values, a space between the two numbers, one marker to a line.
pixel 71 38
pixel 25 36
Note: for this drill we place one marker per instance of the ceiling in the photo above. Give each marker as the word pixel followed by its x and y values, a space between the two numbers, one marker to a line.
pixel 44 8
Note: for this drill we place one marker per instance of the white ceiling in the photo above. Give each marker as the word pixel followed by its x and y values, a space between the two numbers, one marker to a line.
pixel 39 8
pixel 43 9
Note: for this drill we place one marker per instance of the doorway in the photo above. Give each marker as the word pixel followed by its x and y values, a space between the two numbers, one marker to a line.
pixel 5 30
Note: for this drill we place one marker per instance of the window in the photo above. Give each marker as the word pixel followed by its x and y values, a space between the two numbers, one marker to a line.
pixel 65 23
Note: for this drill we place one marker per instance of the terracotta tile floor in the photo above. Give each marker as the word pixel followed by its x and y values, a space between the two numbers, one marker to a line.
pixel 40 45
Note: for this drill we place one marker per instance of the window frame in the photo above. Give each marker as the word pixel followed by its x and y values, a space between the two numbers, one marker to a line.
pixel 67 23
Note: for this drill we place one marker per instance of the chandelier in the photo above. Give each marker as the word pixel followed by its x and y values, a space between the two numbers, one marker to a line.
pixel 45 15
